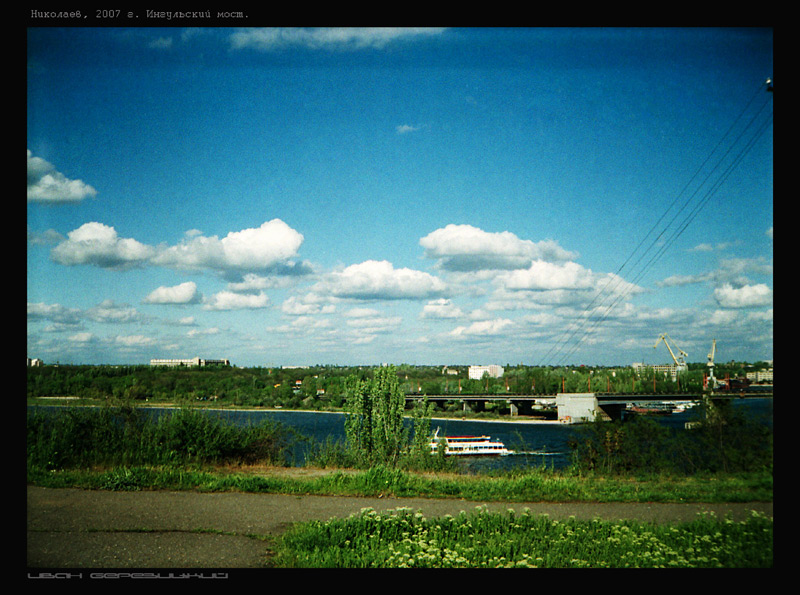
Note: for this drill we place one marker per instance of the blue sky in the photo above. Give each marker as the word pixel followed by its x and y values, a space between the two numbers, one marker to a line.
pixel 425 196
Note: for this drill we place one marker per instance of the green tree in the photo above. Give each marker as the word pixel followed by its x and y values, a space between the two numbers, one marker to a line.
pixel 374 418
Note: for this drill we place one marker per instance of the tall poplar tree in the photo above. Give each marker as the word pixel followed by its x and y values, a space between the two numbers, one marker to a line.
pixel 374 418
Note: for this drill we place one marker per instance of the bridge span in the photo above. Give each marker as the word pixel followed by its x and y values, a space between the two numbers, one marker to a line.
pixel 582 407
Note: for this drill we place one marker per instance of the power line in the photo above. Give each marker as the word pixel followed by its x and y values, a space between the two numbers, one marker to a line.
pixel 616 279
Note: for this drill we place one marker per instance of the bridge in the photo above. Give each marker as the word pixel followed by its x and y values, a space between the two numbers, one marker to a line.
pixel 584 407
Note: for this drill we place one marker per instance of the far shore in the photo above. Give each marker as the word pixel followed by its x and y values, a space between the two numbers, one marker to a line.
pixel 517 419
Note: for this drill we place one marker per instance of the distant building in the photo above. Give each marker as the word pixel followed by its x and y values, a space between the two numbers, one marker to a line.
pixel 449 371
pixel 477 372
pixel 671 369
pixel 760 376
pixel 196 361
pixel 34 363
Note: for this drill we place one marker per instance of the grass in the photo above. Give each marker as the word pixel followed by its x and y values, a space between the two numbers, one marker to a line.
pixel 535 485
pixel 404 539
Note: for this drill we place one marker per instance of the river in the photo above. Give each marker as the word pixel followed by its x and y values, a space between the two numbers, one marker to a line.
pixel 535 443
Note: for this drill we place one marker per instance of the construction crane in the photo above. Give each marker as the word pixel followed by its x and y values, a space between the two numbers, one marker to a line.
pixel 712 381
pixel 710 363
pixel 680 363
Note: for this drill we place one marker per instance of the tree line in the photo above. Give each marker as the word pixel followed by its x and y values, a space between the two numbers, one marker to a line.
pixel 324 387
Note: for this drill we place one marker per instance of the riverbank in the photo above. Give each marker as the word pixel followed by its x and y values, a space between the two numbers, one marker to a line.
pixel 518 419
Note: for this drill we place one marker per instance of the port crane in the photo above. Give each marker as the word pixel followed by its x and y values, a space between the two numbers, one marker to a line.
pixel 712 381
pixel 680 362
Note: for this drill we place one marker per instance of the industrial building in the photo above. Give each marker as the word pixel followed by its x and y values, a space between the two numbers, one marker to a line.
pixel 196 361
pixel 477 372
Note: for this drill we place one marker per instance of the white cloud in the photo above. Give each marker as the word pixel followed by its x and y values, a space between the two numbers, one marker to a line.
pixel 82 337
pixel 308 304
pixel 361 312
pixel 743 297
pixel 108 311
pixel 731 270
pixel 543 275
pixel 185 293
pixel 203 332
pixel 441 308
pixel 269 247
pixel 723 317
pixel 336 38
pixel 253 282
pixel 483 328
pixel 98 244
pixel 406 128
pixel 135 340
pixel 54 312
pixel 45 238
pixel 161 43
pixel 375 324
pixel 228 300
pixel 374 279
pixel 466 248
pixel 45 184
pixel 272 244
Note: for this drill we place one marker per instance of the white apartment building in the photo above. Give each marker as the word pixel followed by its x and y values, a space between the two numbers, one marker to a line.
pixel 477 372
pixel 196 361
pixel 760 376
pixel 672 369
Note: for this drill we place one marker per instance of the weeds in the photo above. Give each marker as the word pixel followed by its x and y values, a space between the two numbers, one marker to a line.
pixel 78 437
pixel 403 539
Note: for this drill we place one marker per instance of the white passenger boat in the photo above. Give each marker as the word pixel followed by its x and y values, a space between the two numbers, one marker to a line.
pixel 468 445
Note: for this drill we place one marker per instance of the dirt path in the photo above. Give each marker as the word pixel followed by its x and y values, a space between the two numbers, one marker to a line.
pixel 71 528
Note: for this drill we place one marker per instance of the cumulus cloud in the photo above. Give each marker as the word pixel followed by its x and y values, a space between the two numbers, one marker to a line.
pixel 302 306
pixel 747 296
pixel 45 184
pixel 336 38
pixel 267 248
pixel 228 300
pixel 108 311
pixel 731 271
pixel 547 276
pixel 379 280
pixel 98 244
pixel 272 244
pixel 185 293
pixel 54 312
pixel 464 248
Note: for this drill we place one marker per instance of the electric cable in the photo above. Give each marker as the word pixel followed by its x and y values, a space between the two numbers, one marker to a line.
pixel 616 278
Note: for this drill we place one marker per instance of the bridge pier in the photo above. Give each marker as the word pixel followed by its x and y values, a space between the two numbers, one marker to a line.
pixel 610 411
pixel 521 407
pixel 585 407
pixel 576 407
pixel 477 405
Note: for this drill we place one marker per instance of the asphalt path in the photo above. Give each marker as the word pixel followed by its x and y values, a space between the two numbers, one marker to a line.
pixel 87 529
